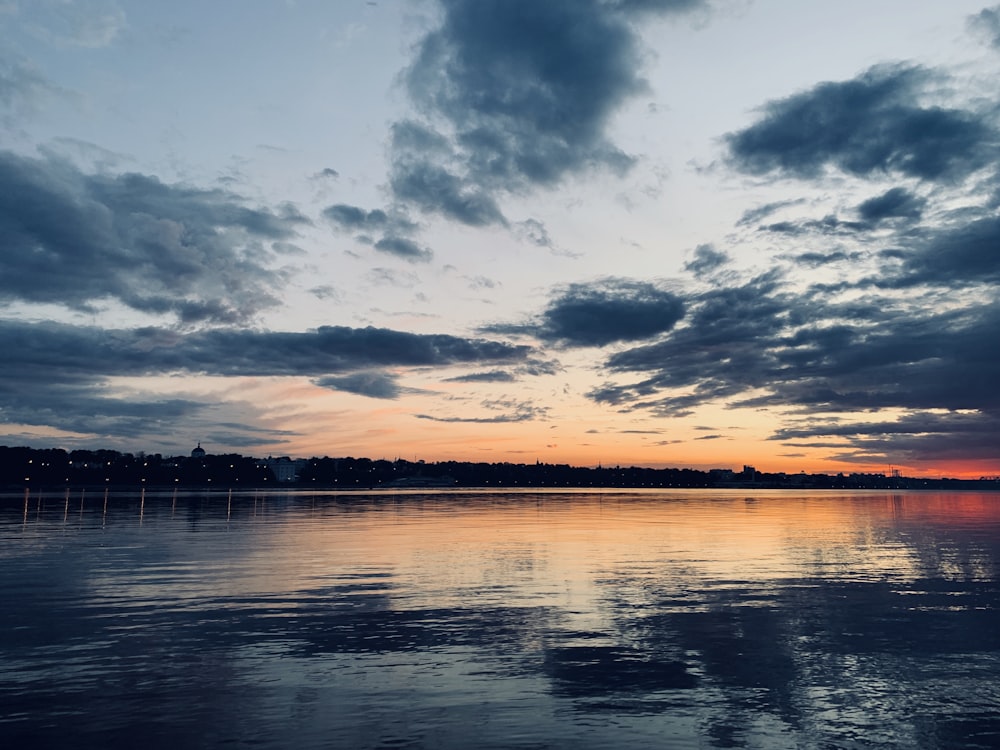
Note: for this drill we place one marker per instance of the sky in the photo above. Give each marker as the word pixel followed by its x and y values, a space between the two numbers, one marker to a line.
pixel 686 233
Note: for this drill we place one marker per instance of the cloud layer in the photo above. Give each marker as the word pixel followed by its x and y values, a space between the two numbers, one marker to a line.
pixel 78 240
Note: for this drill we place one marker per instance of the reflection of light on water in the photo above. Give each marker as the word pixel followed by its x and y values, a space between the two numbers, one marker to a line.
pixel 780 620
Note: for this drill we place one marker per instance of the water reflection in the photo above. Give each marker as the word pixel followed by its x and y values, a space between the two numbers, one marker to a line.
pixel 500 620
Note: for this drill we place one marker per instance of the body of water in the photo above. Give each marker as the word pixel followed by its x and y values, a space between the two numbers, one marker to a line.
pixel 459 619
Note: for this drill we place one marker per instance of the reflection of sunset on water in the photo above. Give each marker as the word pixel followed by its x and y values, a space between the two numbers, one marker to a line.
pixel 374 619
pixel 559 545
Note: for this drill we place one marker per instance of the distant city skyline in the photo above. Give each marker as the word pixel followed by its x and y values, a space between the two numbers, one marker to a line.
pixel 55 469
pixel 667 233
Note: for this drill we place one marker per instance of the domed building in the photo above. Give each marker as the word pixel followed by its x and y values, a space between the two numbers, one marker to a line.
pixel 198 452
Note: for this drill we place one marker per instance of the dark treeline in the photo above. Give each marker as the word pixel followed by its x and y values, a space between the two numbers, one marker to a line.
pixel 29 467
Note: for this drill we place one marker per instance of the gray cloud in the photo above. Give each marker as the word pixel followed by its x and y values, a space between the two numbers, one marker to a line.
pixel 491 376
pixel 510 96
pixel 372 383
pixel 814 260
pixel 421 177
pixel 73 363
pixel 894 203
pixel 987 22
pixel 511 411
pixel 828 225
pixel 403 248
pixel 762 345
pixel 706 259
pixel 607 311
pixel 958 255
pixel 75 239
pixel 873 123
pixel 719 352
pixel 919 436
pixel 517 95
pixel 753 215
pixel 354 218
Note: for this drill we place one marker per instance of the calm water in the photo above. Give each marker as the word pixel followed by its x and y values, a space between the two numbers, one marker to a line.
pixel 490 620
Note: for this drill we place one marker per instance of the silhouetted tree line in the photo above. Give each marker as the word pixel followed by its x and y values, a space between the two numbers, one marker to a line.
pixel 29 467
pixel 55 466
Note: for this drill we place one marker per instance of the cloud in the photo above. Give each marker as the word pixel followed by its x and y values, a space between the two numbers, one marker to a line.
pixel 872 124
pixel 421 177
pixel 491 376
pixel 403 248
pixel 607 311
pixel 75 362
pixel 829 225
pixel 987 23
pixel 355 218
pixel 767 344
pixel 918 436
pixel 370 383
pixel 511 411
pixel 77 239
pixel 535 232
pixel 958 255
pixel 753 215
pixel 720 350
pixel 706 259
pixel 896 203
pixel 510 96
pixel 516 95
pixel 815 260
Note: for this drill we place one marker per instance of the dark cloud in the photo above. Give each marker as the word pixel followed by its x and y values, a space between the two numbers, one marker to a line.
pixel 815 260
pixel 897 203
pixel 964 254
pixel 765 345
pixel 76 239
pixel 74 363
pixel 421 177
pixel 403 248
pixel 706 259
pixel 516 94
pixel 655 6
pixel 511 96
pixel 874 123
pixel 354 218
pixel 919 436
pixel 828 225
pixel 608 311
pixel 370 383
pixel 491 376
pixel 719 352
